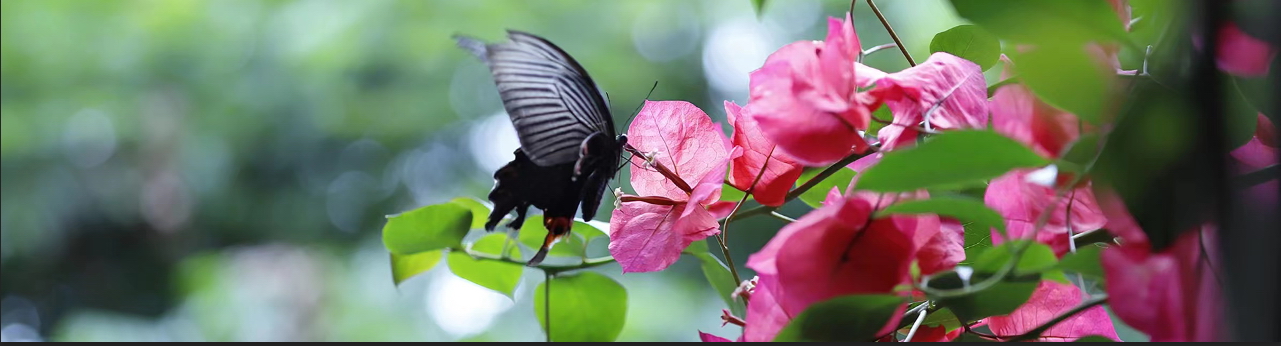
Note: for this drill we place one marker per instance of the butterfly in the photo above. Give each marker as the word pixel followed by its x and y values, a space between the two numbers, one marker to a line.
pixel 568 147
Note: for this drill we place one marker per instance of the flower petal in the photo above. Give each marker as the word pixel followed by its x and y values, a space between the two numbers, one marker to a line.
pixel 780 169
pixel 1019 114
pixel 765 317
pixel 1050 300
pixel 944 250
pixel 649 237
pixel 953 87
pixel 705 337
pixel 1021 203
pixel 685 140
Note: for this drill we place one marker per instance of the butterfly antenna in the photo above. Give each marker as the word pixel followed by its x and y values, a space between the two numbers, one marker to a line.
pixel 638 107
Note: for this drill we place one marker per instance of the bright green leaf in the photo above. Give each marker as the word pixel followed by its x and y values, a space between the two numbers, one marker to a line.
pixel 585 306
pixel 1084 261
pixel 1065 77
pixel 999 299
pixel 950 160
pixel 963 209
pixel 495 275
pixel 977 240
pixel 970 42
pixel 404 267
pixel 698 247
pixel 1037 258
pixel 883 113
pixel 533 233
pixel 428 228
pixel 479 212
pixel 731 193
pixel 943 317
pixel 814 196
pixel 722 280
pixel 851 318
pixel 587 231
pixel 1043 22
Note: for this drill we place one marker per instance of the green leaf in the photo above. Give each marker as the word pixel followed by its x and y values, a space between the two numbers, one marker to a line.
pixel 495 275
pixel 698 247
pixel 977 240
pixel 1242 117
pixel 853 318
pixel 883 113
pixel 950 160
pixel 1037 258
pixel 587 231
pixel 585 306
pixel 722 280
pixel 1094 338
pixel 999 299
pixel 963 209
pixel 943 317
pixel 1066 78
pixel 1043 22
pixel 969 42
pixel 533 233
pixel 731 193
pixel 1084 261
pixel 479 212
pixel 1079 155
pixel 759 7
pixel 404 267
pixel 814 196
pixel 428 228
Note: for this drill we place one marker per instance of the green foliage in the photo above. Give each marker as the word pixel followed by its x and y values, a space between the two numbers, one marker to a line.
pixel 852 318
pixel 1084 261
pixel 1037 262
pixel 532 234
pixel 731 193
pixel 404 267
pixel 427 228
pixel 1094 338
pixel 1065 77
pixel 479 211
pixel 499 276
pixel 950 160
pixel 1045 21
pixel 814 196
pixel 943 317
pixel 969 42
pixel 585 306
pixel 718 275
pixel 963 209
pixel 977 240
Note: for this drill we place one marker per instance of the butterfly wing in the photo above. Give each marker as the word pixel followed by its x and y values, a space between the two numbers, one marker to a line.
pixel 553 104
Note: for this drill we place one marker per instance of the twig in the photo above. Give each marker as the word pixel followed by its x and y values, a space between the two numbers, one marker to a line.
pixel 662 169
pixel 551 269
pixel 912 332
pixel 776 215
pixel 893 35
pixel 723 237
pixel 875 49
pixel 809 184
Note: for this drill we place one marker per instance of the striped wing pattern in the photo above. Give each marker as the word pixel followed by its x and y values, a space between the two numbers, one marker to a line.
pixel 553 104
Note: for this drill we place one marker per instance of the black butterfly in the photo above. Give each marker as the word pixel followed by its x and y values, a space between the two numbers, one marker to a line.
pixel 568 149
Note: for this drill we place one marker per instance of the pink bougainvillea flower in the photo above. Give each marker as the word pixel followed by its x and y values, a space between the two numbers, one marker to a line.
pixel 1259 152
pixel 1020 115
pixel 648 232
pixel 705 337
pixel 935 334
pixel 805 99
pixel 1021 203
pixel 944 92
pixel 944 250
pixel 923 228
pixel 1170 295
pixel 1050 300
pixel 1240 54
pixel 833 251
pixel 780 169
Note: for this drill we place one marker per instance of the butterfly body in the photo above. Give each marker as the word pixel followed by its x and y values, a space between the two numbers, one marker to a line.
pixel 568 147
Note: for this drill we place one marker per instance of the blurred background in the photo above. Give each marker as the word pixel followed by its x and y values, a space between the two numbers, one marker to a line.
pixel 219 170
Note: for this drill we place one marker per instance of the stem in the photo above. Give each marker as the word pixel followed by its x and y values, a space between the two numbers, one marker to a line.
pixel 550 269
pixel 547 304
pixel 723 238
pixel 676 179
pixel 875 49
pixel 809 184
pixel 776 215
pixel 1036 332
pixel 893 35
pixel 918 128
pixel 911 332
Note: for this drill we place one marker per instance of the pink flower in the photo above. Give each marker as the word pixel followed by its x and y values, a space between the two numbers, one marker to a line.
pixel 1240 54
pixel 780 169
pixel 648 232
pixel 1050 300
pixel 935 334
pixel 1259 152
pixel 1020 115
pixel 805 100
pixel 1021 203
pixel 705 337
pixel 1172 295
pixel 944 92
pixel 944 250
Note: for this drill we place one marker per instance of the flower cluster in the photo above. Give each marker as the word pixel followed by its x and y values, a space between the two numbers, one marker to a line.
pixel 811 105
